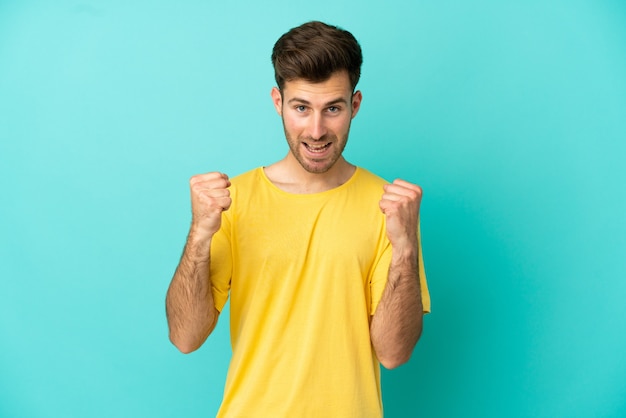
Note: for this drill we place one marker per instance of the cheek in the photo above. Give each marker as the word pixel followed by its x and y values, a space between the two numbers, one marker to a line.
pixel 341 124
pixel 293 124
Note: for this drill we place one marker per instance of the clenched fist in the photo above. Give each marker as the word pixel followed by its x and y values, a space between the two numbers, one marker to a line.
pixel 209 198
pixel 401 203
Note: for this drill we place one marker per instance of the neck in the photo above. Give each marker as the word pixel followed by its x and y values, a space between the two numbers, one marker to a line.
pixel 289 176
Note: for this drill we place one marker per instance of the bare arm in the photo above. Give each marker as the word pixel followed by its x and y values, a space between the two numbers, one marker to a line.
pixel 397 323
pixel 191 312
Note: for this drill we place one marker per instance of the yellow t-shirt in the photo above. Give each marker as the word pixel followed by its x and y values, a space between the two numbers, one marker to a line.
pixel 305 273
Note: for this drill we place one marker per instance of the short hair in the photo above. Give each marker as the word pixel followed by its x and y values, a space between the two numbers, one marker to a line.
pixel 313 52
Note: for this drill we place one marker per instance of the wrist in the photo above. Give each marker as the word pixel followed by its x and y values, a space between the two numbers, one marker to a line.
pixel 404 251
pixel 404 256
pixel 201 229
pixel 199 242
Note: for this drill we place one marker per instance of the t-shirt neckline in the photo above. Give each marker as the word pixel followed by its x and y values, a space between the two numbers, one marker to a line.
pixel 261 171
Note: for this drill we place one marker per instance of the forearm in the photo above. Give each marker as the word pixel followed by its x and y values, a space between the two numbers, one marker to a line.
pixel 191 313
pixel 397 322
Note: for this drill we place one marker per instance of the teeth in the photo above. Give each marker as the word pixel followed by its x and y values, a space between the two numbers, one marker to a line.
pixel 317 148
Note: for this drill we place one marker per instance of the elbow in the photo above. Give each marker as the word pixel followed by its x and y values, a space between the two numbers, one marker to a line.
pixel 395 356
pixel 187 341
pixel 393 362
pixel 184 347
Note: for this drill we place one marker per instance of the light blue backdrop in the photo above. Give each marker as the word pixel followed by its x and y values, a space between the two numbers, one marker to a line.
pixel 511 115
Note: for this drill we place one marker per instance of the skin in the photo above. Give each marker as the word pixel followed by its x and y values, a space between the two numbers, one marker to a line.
pixel 397 323
pixel 315 116
pixel 191 313
pixel 316 119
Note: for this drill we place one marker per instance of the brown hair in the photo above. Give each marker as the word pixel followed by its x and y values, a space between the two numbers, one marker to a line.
pixel 313 52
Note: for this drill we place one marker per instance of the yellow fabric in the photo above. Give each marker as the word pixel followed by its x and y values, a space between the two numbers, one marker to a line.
pixel 304 272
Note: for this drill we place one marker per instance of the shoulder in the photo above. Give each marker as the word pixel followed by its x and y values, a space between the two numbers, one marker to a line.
pixel 364 185
pixel 248 178
pixel 366 179
pixel 249 185
pixel 370 177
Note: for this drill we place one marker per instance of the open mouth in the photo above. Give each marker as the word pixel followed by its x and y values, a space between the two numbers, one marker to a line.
pixel 317 149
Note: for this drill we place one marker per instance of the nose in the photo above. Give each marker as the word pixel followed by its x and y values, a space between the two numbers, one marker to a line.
pixel 317 127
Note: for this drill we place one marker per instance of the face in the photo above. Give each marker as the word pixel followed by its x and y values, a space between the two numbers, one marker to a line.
pixel 316 118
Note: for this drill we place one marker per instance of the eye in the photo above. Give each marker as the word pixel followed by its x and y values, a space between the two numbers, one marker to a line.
pixel 300 108
pixel 334 109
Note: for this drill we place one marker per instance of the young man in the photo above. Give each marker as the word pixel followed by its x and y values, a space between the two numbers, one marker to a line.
pixel 321 259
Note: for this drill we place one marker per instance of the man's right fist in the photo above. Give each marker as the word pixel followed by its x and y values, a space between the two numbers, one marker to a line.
pixel 209 198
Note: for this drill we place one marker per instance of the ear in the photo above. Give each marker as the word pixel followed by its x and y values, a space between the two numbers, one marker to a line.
pixel 357 97
pixel 277 99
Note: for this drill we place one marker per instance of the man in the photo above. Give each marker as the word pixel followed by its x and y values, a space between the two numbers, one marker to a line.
pixel 321 259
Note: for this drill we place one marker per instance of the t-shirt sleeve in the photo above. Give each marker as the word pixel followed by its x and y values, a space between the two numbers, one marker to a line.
pixel 378 279
pixel 221 263
pixel 381 271
pixel 422 276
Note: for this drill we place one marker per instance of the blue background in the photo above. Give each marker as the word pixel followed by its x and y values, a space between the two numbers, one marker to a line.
pixel 511 115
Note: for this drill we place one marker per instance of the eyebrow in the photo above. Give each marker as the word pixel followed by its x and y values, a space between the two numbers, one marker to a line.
pixel 331 103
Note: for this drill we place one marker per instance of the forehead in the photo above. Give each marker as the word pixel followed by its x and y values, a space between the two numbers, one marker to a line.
pixel 338 85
